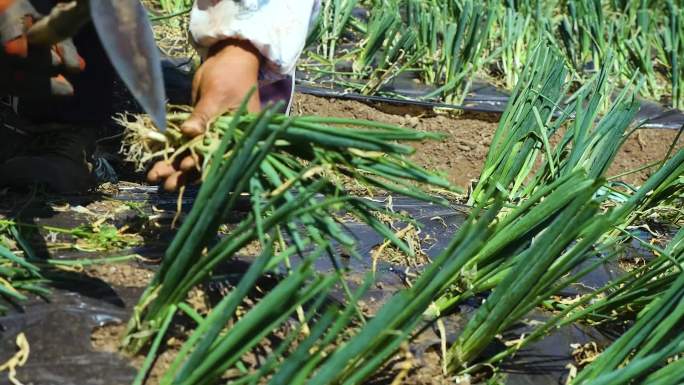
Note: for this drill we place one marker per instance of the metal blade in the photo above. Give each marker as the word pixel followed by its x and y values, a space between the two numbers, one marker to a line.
pixel 126 35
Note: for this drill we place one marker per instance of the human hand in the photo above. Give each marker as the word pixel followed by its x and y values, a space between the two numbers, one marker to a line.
pixel 33 70
pixel 220 84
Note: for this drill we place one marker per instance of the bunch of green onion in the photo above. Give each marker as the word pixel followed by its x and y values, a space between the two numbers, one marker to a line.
pixel 18 275
pixel 174 6
pixel 523 125
pixel 671 50
pixel 627 294
pixel 650 351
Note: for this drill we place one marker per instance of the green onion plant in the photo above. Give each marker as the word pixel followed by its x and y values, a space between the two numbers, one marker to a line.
pixel 649 351
pixel 621 298
pixel 19 275
pixel 458 42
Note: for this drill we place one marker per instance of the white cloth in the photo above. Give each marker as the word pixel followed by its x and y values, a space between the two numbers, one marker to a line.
pixel 277 28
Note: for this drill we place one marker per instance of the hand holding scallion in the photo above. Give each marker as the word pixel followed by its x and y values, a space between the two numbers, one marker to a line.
pixel 219 86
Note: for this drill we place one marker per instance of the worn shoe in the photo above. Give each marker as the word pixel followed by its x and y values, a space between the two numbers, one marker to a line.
pixel 57 157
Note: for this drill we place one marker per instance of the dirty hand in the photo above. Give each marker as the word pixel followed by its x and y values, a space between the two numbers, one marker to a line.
pixel 220 84
pixel 32 70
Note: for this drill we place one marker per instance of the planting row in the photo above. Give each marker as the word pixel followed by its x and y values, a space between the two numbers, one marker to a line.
pixel 366 45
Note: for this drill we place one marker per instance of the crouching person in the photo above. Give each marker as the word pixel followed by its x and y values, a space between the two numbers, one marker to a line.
pixel 61 94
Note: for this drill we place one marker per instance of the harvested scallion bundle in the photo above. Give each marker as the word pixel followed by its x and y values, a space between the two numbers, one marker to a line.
pixel 363 150
pixel 283 163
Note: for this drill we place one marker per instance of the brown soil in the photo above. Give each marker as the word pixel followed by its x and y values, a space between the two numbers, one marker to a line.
pixel 403 368
pixel 121 275
pixel 108 337
pixel 461 154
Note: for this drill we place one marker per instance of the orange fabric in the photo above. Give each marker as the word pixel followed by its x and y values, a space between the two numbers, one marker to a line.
pixel 17 47
pixel 4 4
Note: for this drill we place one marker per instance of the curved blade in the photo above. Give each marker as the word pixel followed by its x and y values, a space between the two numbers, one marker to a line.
pixel 126 36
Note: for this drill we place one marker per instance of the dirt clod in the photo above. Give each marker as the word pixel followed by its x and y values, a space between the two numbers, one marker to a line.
pixel 122 275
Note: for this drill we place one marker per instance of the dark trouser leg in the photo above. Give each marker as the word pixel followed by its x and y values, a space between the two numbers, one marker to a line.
pixel 11 141
pixel 279 91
